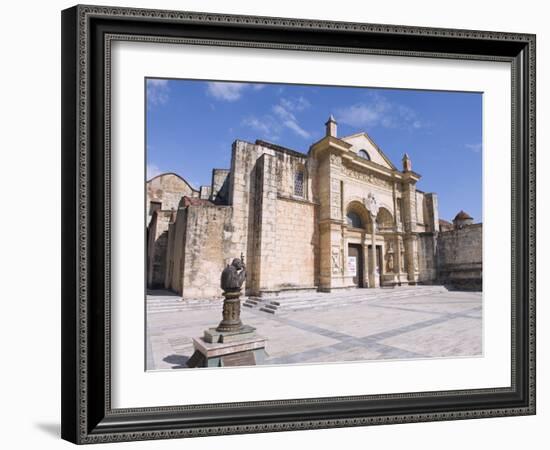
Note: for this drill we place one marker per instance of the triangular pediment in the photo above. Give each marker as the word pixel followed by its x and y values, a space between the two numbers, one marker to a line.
pixel 362 141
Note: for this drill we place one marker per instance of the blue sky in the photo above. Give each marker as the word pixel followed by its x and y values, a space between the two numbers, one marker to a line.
pixel 192 124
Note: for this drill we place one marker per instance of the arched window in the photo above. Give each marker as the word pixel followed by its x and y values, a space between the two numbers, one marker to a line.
pixel 363 154
pixel 354 220
pixel 384 220
pixel 299 182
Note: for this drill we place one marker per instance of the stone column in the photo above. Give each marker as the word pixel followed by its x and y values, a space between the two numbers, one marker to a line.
pixel 366 262
pixel 411 255
pixel 397 259
pixel 373 279
pixel 372 207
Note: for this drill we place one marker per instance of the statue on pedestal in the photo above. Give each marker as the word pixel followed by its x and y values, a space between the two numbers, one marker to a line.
pixel 231 343
pixel 233 276
pixel 232 279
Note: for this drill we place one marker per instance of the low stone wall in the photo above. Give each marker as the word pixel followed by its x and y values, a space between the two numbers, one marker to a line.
pixel 459 257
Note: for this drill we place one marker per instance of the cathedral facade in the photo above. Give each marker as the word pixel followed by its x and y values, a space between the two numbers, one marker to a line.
pixel 341 216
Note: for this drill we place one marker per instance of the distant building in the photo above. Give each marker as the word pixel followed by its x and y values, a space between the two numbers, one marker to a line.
pixel 340 216
pixel 462 219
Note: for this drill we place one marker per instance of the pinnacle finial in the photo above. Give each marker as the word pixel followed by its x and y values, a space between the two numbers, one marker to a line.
pixel 331 126
pixel 407 163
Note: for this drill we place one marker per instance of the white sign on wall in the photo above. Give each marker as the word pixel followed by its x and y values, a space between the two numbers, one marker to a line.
pixel 352 265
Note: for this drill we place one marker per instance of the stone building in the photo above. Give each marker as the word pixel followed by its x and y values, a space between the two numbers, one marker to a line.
pixel 341 216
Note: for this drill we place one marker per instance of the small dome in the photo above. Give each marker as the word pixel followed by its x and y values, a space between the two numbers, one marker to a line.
pixel 463 216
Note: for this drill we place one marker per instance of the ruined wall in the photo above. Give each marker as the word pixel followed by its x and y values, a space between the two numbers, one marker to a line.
pixel 242 192
pixel 170 248
pixel 432 211
pixel 156 249
pixel 263 254
pixel 175 256
pixel 427 214
pixel 459 257
pixel 220 186
pixel 167 189
pixel 259 175
pixel 427 262
pixel 297 245
pixel 207 250
pixel 420 209
pixel 205 192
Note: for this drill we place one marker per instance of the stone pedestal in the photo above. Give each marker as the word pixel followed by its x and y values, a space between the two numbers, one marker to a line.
pixel 231 343
pixel 246 351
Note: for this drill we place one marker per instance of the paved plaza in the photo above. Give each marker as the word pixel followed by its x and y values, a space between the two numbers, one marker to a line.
pixel 361 324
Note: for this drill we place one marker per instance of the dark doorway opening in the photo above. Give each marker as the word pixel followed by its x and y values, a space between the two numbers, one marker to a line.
pixel 355 263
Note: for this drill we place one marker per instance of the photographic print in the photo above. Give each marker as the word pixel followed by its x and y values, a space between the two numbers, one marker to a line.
pixel 300 224
pixel 288 203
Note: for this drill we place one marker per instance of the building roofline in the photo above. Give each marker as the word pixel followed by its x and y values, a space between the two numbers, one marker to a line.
pixel 176 175
pixel 384 156
pixel 280 148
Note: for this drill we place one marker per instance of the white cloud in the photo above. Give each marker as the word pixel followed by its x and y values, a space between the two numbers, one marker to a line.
pixel 296 104
pixel 157 92
pixel 272 125
pixel 284 111
pixel 256 124
pixel 267 126
pixel 152 171
pixel 378 111
pixel 476 148
pixel 228 92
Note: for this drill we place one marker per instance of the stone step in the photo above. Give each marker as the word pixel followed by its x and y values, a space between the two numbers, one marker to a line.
pixel 270 306
pixel 294 301
pixel 298 303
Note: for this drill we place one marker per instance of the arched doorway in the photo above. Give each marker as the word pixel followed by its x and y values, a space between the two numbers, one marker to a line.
pixel 358 223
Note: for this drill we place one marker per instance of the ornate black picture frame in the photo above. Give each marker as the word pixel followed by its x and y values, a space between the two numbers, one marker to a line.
pixel 87 415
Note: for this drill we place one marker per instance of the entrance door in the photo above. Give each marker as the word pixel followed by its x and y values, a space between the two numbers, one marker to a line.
pixel 355 263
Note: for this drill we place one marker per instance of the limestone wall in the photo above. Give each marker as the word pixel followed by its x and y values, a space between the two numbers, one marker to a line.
pixel 220 186
pixel 157 243
pixel 297 245
pixel 259 175
pixel 176 251
pixel 420 208
pixel 207 250
pixel 427 247
pixel 242 192
pixel 459 257
pixel 168 189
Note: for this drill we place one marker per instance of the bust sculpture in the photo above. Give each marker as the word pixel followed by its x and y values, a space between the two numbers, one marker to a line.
pixel 232 279
pixel 233 276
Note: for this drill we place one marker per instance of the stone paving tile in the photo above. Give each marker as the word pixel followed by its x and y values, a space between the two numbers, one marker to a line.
pixel 456 337
pixel 443 324
pixel 360 320
pixel 350 354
